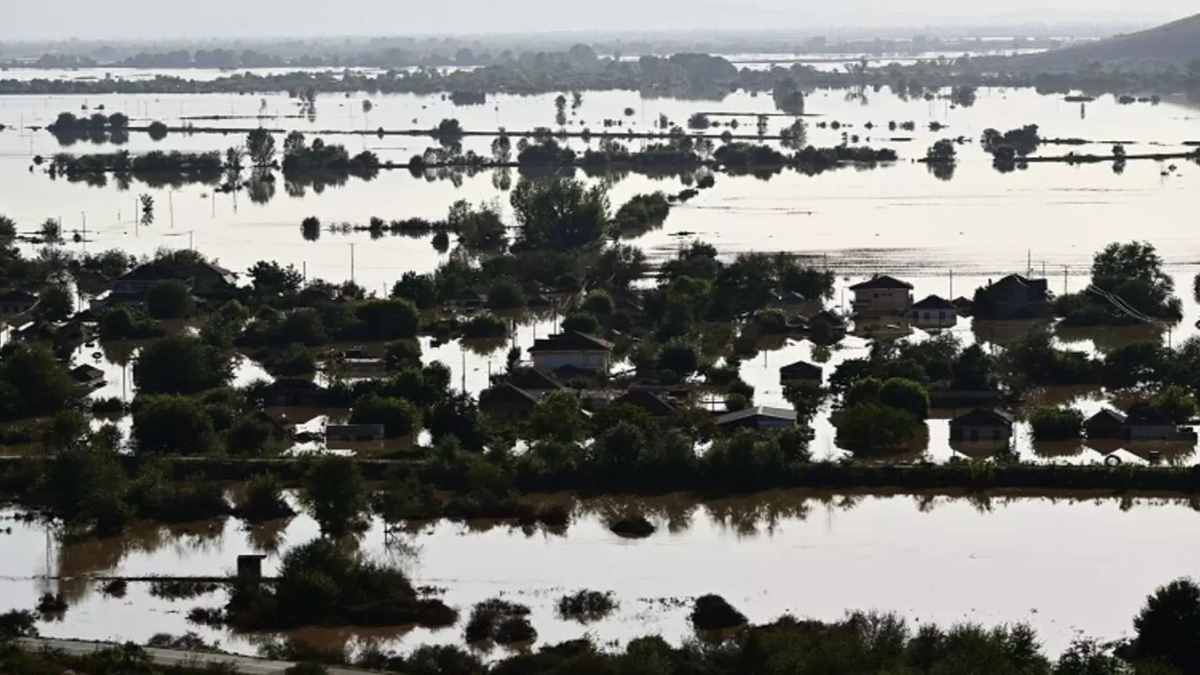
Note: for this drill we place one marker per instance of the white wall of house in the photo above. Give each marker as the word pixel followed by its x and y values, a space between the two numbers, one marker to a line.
pixel 880 301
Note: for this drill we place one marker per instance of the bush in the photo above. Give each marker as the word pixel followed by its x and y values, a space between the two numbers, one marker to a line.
pixel 872 427
pixel 712 612
pixel 505 294
pixel 170 299
pixel 390 319
pixel 905 395
pixel 335 493
pixel 122 323
pixel 493 620
pixel 181 365
pixel 632 527
pixel 586 606
pixel 172 424
pixel 263 500
pixel 250 434
pixel 397 416
pixel 581 322
pixel 1056 424
pixel 484 326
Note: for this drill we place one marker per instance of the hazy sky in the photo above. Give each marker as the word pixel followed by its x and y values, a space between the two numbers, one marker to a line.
pixel 226 18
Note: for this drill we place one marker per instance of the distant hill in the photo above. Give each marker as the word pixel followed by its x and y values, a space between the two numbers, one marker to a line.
pixel 1176 43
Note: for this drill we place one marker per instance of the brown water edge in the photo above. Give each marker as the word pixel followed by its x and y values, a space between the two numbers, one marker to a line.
pixel 1080 559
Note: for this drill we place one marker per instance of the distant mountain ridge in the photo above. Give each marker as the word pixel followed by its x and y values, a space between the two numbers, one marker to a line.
pixel 1176 43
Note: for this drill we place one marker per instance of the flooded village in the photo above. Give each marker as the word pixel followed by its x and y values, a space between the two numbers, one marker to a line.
pixel 748 353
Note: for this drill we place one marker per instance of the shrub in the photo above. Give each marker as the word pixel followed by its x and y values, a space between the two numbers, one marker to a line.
pixel 581 322
pixel 397 416
pixel 1056 424
pixel 390 319
pixel 181 365
pixel 490 617
pixel 505 294
pixel 586 605
pixel 712 612
pixel 335 493
pixel 483 326
pixel 172 424
pixel 905 395
pixel 873 427
pixel 170 299
pixel 263 500
pixel 632 527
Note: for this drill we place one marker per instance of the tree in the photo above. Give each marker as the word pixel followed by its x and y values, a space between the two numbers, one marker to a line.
pixel 335 493
pixel 1134 272
pixel 170 299
pixel 1056 424
pixel 260 145
pixel 581 322
pixel 8 227
pixel 505 293
pixel 873 427
pixel 558 417
pixel 560 213
pixel 310 228
pixel 418 289
pixel 390 319
pixel 1168 627
pixel 172 424
pixel 680 358
pixel 272 280
pixel 397 416
pixel 32 382
pixel 181 365
pixel 905 395
pixel 56 302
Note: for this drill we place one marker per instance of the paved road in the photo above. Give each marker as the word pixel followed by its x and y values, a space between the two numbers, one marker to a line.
pixel 172 657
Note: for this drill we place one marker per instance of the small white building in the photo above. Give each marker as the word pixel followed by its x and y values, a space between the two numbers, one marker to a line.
pixel 882 296
pixel 574 350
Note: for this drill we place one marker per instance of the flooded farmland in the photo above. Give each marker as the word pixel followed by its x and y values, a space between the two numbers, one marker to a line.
pixel 1068 566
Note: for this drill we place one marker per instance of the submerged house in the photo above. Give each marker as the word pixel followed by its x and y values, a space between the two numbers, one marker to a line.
pixel 933 313
pixel 801 373
pixel 572 350
pixel 1013 297
pixel 982 424
pixel 882 296
pixel 1107 424
pixel 88 377
pixel 16 302
pixel 1140 424
pixel 652 403
pixel 506 400
pixel 760 417
pixel 205 279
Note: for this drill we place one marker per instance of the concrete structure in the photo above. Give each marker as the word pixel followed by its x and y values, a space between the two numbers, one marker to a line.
pixel 801 373
pixel 882 296
pixel 982 425
pixel 758 418
pixel 572 349
pixel 249 571
pixel 934 313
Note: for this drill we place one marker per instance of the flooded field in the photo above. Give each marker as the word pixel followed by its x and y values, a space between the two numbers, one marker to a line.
pixel 947 237
pixel 1066 567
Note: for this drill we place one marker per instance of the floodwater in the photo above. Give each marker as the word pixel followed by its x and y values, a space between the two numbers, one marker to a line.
pixel 1067 567
pixel 945 236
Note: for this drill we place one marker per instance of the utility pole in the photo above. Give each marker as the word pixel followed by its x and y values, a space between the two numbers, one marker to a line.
pixel 951 298
pixel 352 263
pixel 171 206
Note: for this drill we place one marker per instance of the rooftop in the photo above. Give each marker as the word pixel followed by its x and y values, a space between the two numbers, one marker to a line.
pixel 759 411
pixel 882 281
pixel 571 341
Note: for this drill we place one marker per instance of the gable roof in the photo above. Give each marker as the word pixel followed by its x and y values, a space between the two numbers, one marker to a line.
pixel 162 269
pixel 85 373
pixel 934 302
pixel 571 341
pixel 647 400
pixel 802 369
pixel 983 417
pixel 512 393
pixel 760 411
pixel 882 281
pixel 531 379
pixel 1108 413
pixel 1147 416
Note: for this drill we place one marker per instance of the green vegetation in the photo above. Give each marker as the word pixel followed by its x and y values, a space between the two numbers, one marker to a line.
pixel 321 584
